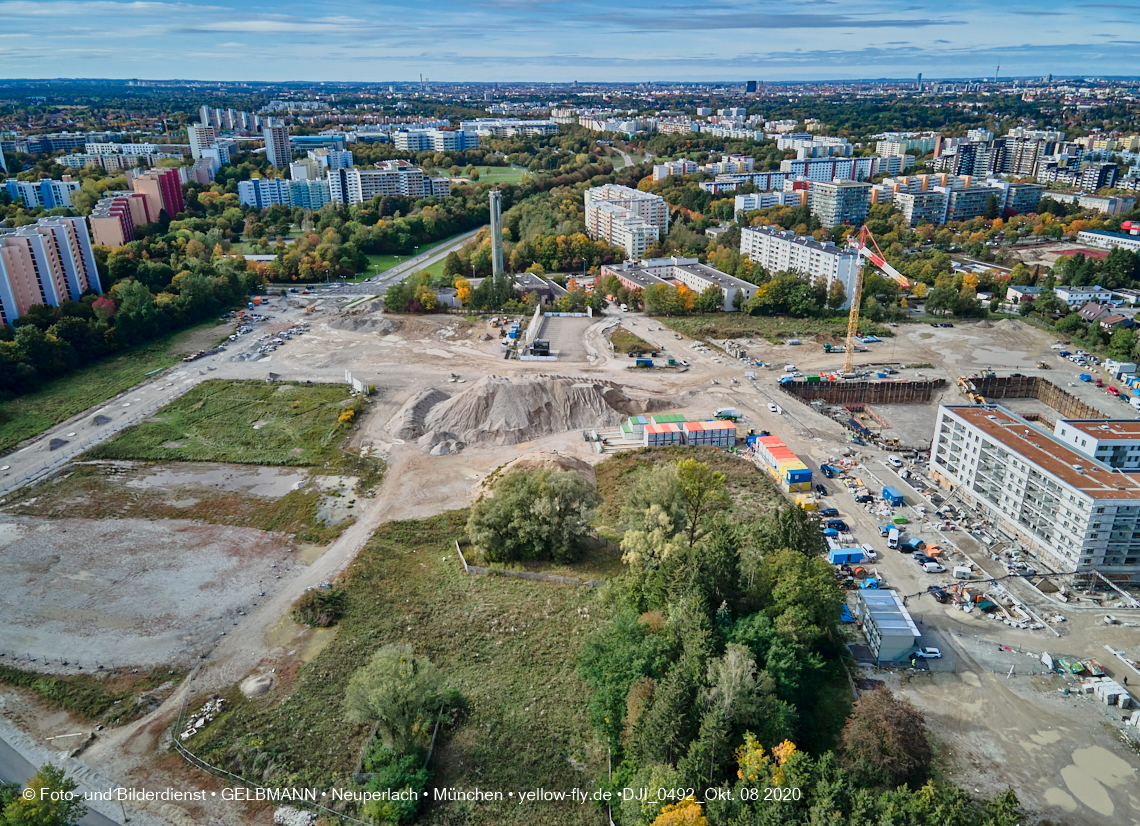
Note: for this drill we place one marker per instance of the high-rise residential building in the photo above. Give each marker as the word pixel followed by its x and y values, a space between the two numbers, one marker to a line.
pixel 778 250
pixel 47 262
pixel 277 146
pixel 435 140
pixel 204 114
pixel 306 169
pixel 625 217
pixel 971 202
pixel 264 192
pixel 114 218
pixel 1094 176
pixel 840 202
pixel 163 189
pixel 356 186
pixel 200 136
pixel 3 163
pixel 45 192
pixel 1065 495
pixel 763 200
pixel 331 158
pixel 309 194
pixel 496 232
pixel 927 207
pixel 832 169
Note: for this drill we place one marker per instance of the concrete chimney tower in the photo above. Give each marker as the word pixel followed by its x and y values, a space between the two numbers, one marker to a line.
pixel 496 232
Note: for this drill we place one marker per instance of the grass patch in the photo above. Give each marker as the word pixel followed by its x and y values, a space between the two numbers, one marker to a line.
pixel 244 422
pixel 33 413
pixel 775 329
pixel 501 174
pixel 753 492
pixel 111 699
pixel 508 645
pixel 626 342
pixel 382 263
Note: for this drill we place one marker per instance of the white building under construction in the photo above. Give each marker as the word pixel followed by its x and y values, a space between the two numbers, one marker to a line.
pixel 1063 494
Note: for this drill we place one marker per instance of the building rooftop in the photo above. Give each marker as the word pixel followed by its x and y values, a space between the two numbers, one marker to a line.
pixel 888 612
pixel 802 240
pixel 1050 454
pixel 1106 428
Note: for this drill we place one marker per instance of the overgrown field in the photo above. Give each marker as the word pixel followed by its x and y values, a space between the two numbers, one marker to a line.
pixel 33 413
pixel 245 422
pixel 626 342
pixel 112 699
pixel 87 493
pixel 508 645
pixel 773 328
pixel 753 493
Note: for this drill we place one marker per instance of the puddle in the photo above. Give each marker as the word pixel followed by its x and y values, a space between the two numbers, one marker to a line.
pixel 9 533
pixel 1061 799
pixel 1044 738
pixel 1087 790
pixel 309 552
pixel 1104 765
pixel 270 482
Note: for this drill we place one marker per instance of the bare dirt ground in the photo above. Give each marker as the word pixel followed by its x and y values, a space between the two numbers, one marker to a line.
pixel 1001 728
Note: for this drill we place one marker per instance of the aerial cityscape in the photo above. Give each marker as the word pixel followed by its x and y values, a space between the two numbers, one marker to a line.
pixel 568 414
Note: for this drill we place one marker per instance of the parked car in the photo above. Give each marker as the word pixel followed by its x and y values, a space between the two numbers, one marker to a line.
pixel 933 568
pixel 772 407
pixel 866 497
pixel 829 512
pixel 928 654
pixel 837 524
pixel 945 325
pixel 869 551
pixel 821 490
pixel 885 530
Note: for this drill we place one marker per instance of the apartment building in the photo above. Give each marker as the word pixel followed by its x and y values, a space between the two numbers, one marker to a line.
pixel 1080 296
pixel 509 127
pixel 728 182
pixel 435 140
pixel 730 165
pixel 833 169
pixel 265 192
pixel 45 192
pixel 1072 510
pixel 671 168
pixel 163 189
pixel 626 218
pixel 1105 204
pixel 1108 240
pixel 114 218
pixel 122 148
pixel 277 149
pixel 47 262
pixel 696 276
pixel 778 250
pixel 1096 176
pixel 970 202
pixel 840 202
pixel 200 136
pixel 357 186
pixel 921 207
pixel 763 200
pixel 331 158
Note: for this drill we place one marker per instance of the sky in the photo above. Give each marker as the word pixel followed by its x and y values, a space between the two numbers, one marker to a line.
pixel 565 40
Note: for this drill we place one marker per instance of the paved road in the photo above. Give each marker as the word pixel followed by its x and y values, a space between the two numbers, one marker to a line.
pixel 15 769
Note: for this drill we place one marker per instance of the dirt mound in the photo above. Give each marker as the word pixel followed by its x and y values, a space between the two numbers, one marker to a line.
pixel 365 323
pixel 983 324
pixel 503 411
pixel 538 460
pixel 408 423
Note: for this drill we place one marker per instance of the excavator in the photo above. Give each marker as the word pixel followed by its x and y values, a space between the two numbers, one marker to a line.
pixel 876 257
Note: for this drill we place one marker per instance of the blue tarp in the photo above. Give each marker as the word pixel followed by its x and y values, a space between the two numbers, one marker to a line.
pixel 845 614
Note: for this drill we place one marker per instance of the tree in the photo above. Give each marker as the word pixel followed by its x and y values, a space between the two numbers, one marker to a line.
pixel 686 813
pixel 710 300
pixel 884 741
pixel 40 809
pixel 1069 324
pixel 992 209
pixel 1121 344
pixel 702 493
pixel 463 290
pixel 941 300
pixel 397 690
pixel 836 295
pixel 533 515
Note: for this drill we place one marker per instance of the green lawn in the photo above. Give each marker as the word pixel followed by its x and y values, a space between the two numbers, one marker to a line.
pixel 33 413
pixel 382 263
pixel 501 174
pixel 626 342
pixel 245 422
pixel 508 645
pixel 247 248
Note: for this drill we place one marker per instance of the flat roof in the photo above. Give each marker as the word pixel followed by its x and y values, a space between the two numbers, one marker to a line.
pixel 888 612
pixel 1048 452
pixel 1106 428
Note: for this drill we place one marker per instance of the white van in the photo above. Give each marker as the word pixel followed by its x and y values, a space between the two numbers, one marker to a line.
pixel 869 551
pixel 933 568
pixel 624 308
pixel 789 368
pixel 893 538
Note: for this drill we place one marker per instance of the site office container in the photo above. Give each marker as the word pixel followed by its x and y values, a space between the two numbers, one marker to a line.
pixel 637 423
pixel 661 435
pixel 667 418
pixel 715 434
pixel 840 555
pixel 893 496
pixel 783 464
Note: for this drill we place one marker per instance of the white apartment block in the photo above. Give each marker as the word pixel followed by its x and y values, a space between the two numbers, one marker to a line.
pixel 265 192
pixel 696 276
pixel 122 148
pixel 625 217
pixel 671 168
pixel 435 140
pixel 1106 204
pixel 357 186
pixel 1115 442
pixel 200 136
pixel 778 250
pixel 763 200
pixel 730 165
pixel 832 169
pixel 509 127
pixel 1071 510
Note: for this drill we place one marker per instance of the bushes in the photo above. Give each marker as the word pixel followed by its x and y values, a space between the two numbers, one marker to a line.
pixel 321 607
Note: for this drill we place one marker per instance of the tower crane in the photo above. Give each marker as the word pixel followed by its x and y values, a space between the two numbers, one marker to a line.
pixel 859 244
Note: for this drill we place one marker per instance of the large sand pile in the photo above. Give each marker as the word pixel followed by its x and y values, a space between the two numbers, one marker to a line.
pixel 503 411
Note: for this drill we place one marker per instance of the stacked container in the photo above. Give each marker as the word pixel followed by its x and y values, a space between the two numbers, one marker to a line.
pixel 661 435
pixel 637 423
pixel 667 418
pixel 715 434
pixel 785 466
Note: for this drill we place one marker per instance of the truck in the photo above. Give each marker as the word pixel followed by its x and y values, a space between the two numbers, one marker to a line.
pixel 1084 377
pixel 893 496
pixel 728 414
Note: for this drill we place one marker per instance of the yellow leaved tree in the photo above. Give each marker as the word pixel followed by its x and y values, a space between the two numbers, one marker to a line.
pixel 686 813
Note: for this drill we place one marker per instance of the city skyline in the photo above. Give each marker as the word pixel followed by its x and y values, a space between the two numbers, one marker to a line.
pixel 509 40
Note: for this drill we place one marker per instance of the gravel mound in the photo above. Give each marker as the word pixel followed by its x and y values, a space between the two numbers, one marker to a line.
pixel 365 323
pixel 409 422
pixel 538 460
pixel 503 411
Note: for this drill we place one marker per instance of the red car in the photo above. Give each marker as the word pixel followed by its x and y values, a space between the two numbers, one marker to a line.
pixel 1113 391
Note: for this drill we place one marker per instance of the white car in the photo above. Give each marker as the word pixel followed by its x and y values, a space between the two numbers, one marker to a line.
pixel 928 654
pixel 772 407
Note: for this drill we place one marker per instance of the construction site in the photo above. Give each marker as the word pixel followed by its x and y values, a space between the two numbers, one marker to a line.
pixel 447 412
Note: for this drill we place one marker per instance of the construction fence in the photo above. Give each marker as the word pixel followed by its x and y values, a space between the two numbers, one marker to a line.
pixel 1069 406
pixel 864 392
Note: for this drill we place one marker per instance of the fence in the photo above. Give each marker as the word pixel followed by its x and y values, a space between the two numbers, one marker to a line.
pixel 1034 387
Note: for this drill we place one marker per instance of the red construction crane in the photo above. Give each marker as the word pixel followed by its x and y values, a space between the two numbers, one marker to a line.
pixel 876 257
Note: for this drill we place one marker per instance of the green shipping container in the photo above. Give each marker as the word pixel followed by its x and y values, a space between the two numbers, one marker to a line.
pixel 668 418
pixel 812 379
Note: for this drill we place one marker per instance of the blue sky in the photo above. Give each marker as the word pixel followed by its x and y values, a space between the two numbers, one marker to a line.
pixel 562 40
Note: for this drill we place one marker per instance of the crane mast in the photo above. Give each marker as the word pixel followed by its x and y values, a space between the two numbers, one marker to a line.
pixel 875 257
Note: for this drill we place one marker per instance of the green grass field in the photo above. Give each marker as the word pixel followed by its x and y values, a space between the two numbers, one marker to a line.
pixel 626 342
pixel 382 263
pixel 32 413
pixel 245 422
pixel 508 645
pixel 501 174
pixel 773 328
pixel 248 248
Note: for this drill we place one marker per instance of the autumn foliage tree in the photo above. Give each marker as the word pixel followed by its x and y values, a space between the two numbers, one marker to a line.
pixel 885 741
